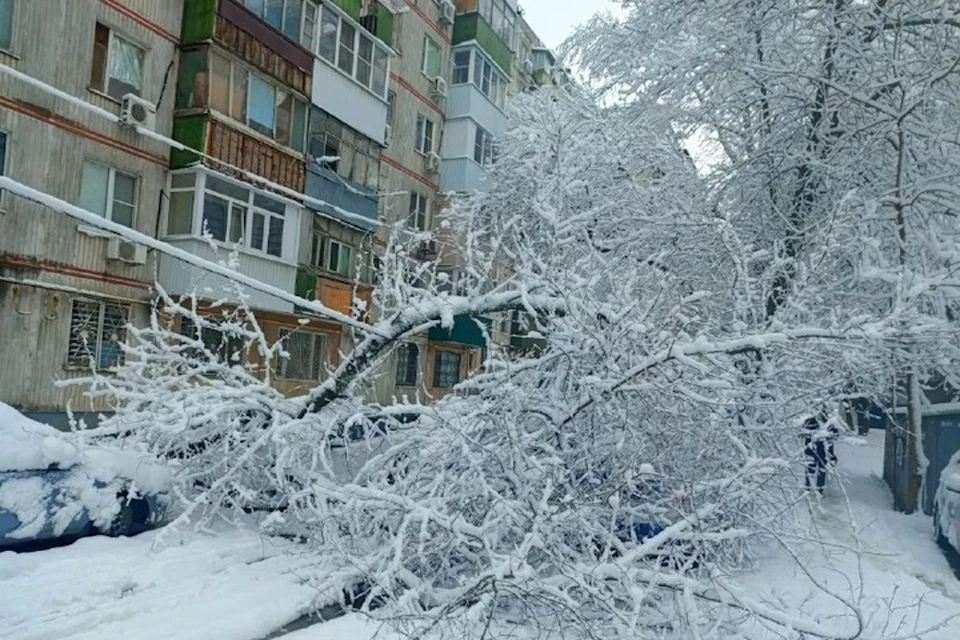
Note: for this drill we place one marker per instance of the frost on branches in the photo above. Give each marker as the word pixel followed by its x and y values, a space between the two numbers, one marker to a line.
pixel 612 483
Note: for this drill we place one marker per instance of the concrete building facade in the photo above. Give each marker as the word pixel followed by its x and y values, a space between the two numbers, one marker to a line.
pixel 318 127
pixel 66 290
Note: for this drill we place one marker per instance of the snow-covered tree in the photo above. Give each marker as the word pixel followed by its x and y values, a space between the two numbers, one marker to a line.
pixel 607 485
pixel 613 483
pixel 830 132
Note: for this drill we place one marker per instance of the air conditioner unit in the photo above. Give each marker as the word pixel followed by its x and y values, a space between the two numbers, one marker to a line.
pixel 387 134
pixel 447 12
pixel 439 87
pixel 528 66
pixel 126 251
pixel 137 112
pixel 433 162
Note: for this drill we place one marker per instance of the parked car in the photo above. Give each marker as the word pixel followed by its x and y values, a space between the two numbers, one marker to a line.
pixel 55 487
pixel 946 518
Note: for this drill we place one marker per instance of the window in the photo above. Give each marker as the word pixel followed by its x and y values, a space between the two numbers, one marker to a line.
pixel 364 61
pixel 3 157
pixel 483 147
pixel 6 24
pixel 423 136
pixel 391 106
pixel 485 76
pixel 408 357
pixel 305 355
pixel 294 18
pixel 339 148
pixel 381 60
pixel 310 10
pixel 262 106
pixel 353 51
pixel 461 67
pixel 231 214
pixel 226 347
pixel 317 252
pixel 348 36
pixel 419 211
pixel 500 17
pixel 482 75
pixel 109 193
pixel 430 65
pixel 329 25
pixel 339 258
pixel 117 64
pixel 180 207
pixel 252 100
pixel 97 329
pixel 446 369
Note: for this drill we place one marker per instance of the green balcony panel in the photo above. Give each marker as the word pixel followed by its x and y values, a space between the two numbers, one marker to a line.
pixel 351 7
pixel 306 285
pixel 470 26
pixel 384 24
pixel 464 331
pixel 191 131
pixel 199 18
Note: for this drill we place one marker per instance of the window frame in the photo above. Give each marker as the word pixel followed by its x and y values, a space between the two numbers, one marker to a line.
pixel 328 131
pixel 317 350
pixel 73 362
pixel 13 19
pixel 430 45
pixel 483 142
pixel 419 207
pixel 4 163
pixel 284 10
pixel 422 142
pixel 379 53
pixel 113 35
pixel 329 254
pixel 454 67
pixel 111 190
pixel 250 210
pixel 200 189
pixel 405 365
pixel 250 75
pixel 439 381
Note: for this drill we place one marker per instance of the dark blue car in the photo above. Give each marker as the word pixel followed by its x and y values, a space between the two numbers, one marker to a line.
pixel 54 487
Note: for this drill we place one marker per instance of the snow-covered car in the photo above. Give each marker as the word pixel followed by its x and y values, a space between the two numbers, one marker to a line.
pixel 947 511
pixel 53 486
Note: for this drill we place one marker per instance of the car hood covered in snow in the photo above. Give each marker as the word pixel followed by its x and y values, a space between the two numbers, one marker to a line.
pixel 27 445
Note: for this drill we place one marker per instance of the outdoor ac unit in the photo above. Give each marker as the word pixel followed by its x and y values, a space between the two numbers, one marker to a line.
pixel 126 251
pixel 433 162
pixel 447 11
pixel 528 66
pixel 439 87
pixel 137 112
pixel 387 134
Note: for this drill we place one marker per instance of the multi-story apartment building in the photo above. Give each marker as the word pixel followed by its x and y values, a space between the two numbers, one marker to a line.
pixel 293 92
pixel 317 126
pixel 420 33
pixel 67 290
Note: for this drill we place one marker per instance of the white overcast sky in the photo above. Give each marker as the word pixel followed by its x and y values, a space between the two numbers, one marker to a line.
pixel 554 20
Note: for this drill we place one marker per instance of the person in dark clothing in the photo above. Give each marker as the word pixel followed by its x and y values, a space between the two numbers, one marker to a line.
pixel 819 434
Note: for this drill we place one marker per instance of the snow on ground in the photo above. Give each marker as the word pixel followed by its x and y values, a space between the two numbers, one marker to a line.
pixel 234 585
pixel 902 583
pixel 237 585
